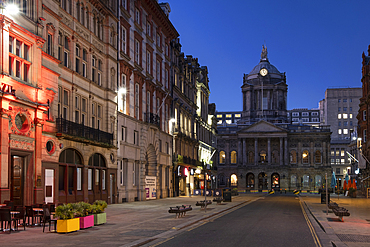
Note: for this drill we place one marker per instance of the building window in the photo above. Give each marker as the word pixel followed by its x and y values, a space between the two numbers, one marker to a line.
pixel 305 157
pixel 84 63
pixel 137 16
pixel 251 157
pixel 237 115
pixel 158 71
pixel 233 157
pixel 344 108
pixel 123 133
pixel 121 172
pixel 148 62
pixel 123 39
pixel 350 109
pixel 344 100
pixel 364 135
pixel 137 101
pixel 49 48
pixel 305 120
pixel 293 157
pixel 339 116
pixel 295 114
pixel 345 115
pixel 318 157
pixel 228 115
pixel 222 157
pixel 364 115
pixel 137 51
pixel 19 64
pixel 339 131
pixel 345 131
pixel 339 124
pixel 78 59
pixel 136 137
pixel 304 114
pixel 339 108
pixel 100 67
pixel 148 29
pixel 338 100
pixel 93 69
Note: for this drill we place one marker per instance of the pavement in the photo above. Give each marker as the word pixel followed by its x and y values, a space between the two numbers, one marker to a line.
pixel 148 223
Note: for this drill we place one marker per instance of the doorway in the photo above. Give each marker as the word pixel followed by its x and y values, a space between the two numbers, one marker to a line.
pixel 262 181
pixel 17 179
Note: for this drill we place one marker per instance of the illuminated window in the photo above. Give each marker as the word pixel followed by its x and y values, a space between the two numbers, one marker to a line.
pixel 228 121
pixel 339 116
pixel 228 115
pixel 234 180
pixel 237 115
pixel 263 156
pixel 339 131
pixel 305 157
pixel 306 180
pixel 345 115
pixel 350 115
pixel 222 157
pixel 332 152
pixel 342 161
pixel 345 131
pixel 233 157
pixel 219 122
pixel 19 64
pixel 342 152
pixel 219 116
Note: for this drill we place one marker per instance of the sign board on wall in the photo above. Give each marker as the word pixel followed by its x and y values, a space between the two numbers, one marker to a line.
pixel 150 187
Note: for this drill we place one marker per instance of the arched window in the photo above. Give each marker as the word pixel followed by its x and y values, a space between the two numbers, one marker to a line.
pixel 234 180
pixel 318 181
pixel 70 173
pixel 96 173
pixel 233 157
pixel 306 180
pixel 263 156
pixel 250 157
pixel 293 157
pixel 250 180
pixel 222 157
pixel 318 157
pixel 305 157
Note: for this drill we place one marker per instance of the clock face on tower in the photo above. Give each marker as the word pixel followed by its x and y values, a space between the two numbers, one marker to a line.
pixel 263 72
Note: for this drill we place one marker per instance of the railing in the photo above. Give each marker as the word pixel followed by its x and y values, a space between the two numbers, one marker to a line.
pixel 79 130
pixel 152 119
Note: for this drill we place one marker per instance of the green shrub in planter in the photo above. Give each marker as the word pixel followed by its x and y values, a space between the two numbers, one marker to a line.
pixel 98 210
pixel 83 209
pixel 65 211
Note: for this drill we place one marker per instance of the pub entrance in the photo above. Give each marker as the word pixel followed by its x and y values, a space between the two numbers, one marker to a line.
pixel 17 179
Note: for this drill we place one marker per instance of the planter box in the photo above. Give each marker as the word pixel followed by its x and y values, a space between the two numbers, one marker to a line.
pixel 100 218
pixel 70 225
pixel 86 222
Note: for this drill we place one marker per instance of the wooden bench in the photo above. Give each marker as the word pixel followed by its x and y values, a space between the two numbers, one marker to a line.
pixel 332 205
pixel 203 204
pixel 340 212
pixel 218 200
pixel 180 210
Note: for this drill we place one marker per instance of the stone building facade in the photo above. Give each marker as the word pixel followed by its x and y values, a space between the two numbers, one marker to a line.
pixel 144 101
pixel 263 151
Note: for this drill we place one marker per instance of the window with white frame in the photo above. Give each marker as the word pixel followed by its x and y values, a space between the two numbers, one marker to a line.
pixel 84 63
pixel 93 114
pixel 121 171
pixel 304 114
pixel 137 51
pixel 100 67
pixel 123 39
pixel 83 110
pixel 19 58
pixel 99 116
pixel 295 114
pixel 93 69
pixel 148 29
pixel 77 108
pixel 78 60
pixel 136 137
pixel 137 16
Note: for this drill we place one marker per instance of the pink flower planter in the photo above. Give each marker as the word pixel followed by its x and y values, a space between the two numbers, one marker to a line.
pixel 86 222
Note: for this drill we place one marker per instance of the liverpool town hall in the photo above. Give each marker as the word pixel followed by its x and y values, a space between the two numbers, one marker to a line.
pixel 259 149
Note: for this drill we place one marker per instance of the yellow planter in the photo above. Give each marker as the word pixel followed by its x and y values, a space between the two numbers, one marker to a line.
pixel 70 225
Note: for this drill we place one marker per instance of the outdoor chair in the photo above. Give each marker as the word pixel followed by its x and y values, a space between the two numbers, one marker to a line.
pixel 47 219
pixel 6 217
pixel 30 214
pixel 21 216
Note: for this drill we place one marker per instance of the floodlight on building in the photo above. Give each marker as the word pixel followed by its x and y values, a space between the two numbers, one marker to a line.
pixel 122 90
pixel 10 9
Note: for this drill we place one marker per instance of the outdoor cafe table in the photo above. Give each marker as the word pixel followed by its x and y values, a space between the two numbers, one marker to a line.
pixel 38 210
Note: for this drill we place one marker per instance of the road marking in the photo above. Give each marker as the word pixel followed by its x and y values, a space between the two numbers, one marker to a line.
pixel 312 230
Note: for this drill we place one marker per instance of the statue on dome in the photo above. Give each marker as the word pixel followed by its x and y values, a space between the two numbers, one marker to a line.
pixel 264 52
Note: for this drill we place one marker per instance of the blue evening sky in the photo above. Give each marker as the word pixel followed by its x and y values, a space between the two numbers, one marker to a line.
pixel 317 43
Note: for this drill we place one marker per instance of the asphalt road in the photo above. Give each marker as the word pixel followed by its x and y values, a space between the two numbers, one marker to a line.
pixel 276 220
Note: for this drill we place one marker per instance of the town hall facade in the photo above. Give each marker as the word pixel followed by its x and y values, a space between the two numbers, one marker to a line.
pixel 262 150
